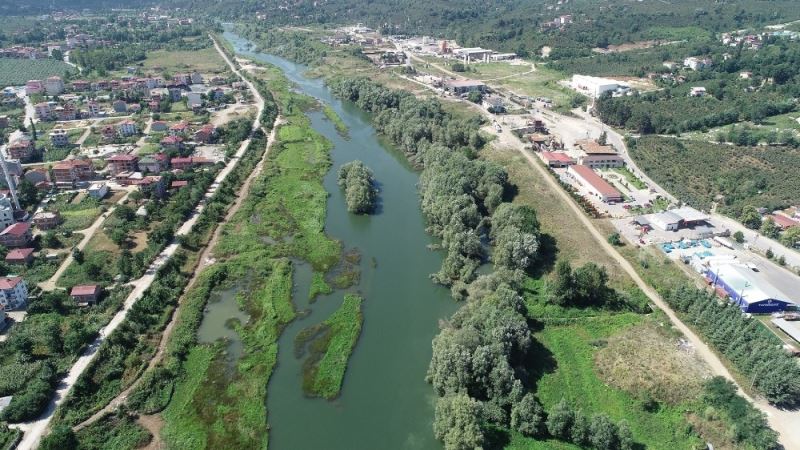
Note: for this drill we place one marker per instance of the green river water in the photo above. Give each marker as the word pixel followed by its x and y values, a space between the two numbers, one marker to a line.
pixel 385 402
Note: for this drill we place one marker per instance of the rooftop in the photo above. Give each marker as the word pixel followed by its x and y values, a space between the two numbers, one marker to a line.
pixel 747 283
pixel 596 181
pixel 84 289
pixel 592 147
pixel 9 282
pixel 18 254
pixel 17 229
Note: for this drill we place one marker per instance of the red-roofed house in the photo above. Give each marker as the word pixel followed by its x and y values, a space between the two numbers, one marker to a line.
pixel 594 183
pixel 172 142
pixel 46 220
pixel 122 163
pixel 178 184
pixel 86 293
pixel 179 128
pixel 784 222
pixel 20 256
pixel 205 134
pixel 181 163
pixel 13 293
pixel 21 149
pixel 16 235
pixel 72 170
pixel 556 159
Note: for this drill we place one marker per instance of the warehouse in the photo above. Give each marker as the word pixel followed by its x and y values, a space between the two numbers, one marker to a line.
pixel 458 87
pixel 595 87
pixel 747 289
pixel 594 183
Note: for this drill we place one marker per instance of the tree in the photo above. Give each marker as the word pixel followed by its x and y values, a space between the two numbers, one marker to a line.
pixel 603 139
pixel 738 237
pixel 458 422
pixel 614 239
pixel 560 420
pixel 750 218
pixel 125 264
pixel 625 435
pixel 769 254
pixel 359 185
pixel 770 229
pixel 527 416
pixel 61 438
pixel 603 433
pixel 475 97
pixel 77 255
pixel 27 194
pixel 50 240
pixel 563 286
pixel 791 237
pixel 580 433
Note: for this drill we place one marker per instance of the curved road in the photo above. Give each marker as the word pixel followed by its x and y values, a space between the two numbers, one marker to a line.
pixel 35 430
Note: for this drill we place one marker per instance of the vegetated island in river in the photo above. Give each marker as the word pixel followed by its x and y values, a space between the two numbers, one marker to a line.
pixel 337 121
pixel 330 344
pixel 359 185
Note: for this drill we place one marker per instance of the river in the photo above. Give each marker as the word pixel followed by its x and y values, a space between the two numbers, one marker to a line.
pixel 385 402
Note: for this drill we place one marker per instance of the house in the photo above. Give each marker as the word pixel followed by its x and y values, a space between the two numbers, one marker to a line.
pixel 20 256
pixel 154 105
pixel 17 235
pixel 598 156
pixel 119 106
pixel 127 128
pixel 71 171
pixel 46 220
pixel 158 126
pixel 86 293
pixel 122 163
pixel 54 85
pixel 98 190
pixel 109 133
pixel 13 293
pixel 205 134
pixel 154 163
pixel 33 87
pixel 179 129
pixel 697 92
pixel 21 149
pixel 134 108
pixel 36 176
pixel 196 78
pixel 696 63
pixel 194 100
pixel 783 222
pixel 594 183
pixel 172 142
pixel 59 137
pixel 43 110
pixel 93 108
pixel 175 94
pixel 494 105
pixel 182 78
pixel 152 184
pixel 66 112
pixel 458 87
pixel 179 184
pixel 747 289
pixel 81 86
pixel 181 163
pixel 556 159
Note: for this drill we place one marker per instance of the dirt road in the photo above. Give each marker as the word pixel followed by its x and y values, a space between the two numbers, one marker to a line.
pixel 205 260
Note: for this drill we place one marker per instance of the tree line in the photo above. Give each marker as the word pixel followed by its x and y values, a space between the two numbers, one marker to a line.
pixel 753 350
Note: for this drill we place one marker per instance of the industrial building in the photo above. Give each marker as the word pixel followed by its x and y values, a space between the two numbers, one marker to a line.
pixel 744 287
pixel 459 87
pixel 595 87
pixel 674 219
pixel 594 183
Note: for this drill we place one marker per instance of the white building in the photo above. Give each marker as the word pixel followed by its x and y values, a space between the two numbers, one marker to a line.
pixel 696 63
pixel 595 87
pixel 54 85
pixel 6 211
pixel 698 92
pixel 97 190
pixel 127 128
pixel 13 293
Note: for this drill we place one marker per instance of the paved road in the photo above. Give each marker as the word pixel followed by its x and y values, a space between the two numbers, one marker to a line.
pixel 784 422
pixel 35 430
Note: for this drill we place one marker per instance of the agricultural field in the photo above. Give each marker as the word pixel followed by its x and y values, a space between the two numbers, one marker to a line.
pixel 204 61
pixel 15 72
pixel 701 173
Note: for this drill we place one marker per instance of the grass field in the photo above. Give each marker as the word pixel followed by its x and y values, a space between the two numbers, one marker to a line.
pixel 574 377
pixel 15 71
pixel 204 61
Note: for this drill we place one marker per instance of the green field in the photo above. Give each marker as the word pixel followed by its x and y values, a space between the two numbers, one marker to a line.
pixel 15 71
pixel 331 344
pixel 205 61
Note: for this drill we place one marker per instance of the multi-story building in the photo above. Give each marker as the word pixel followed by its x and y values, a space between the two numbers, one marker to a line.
pixel 71 171
pixel 34 87
pixel 59 137
pixel 122 163
pixel 54 85
pixel 44 110
pixel 6 212
pixel 21 149
pixel 47 220
pixel 13 293
pixel 127 128
pixel 17 235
